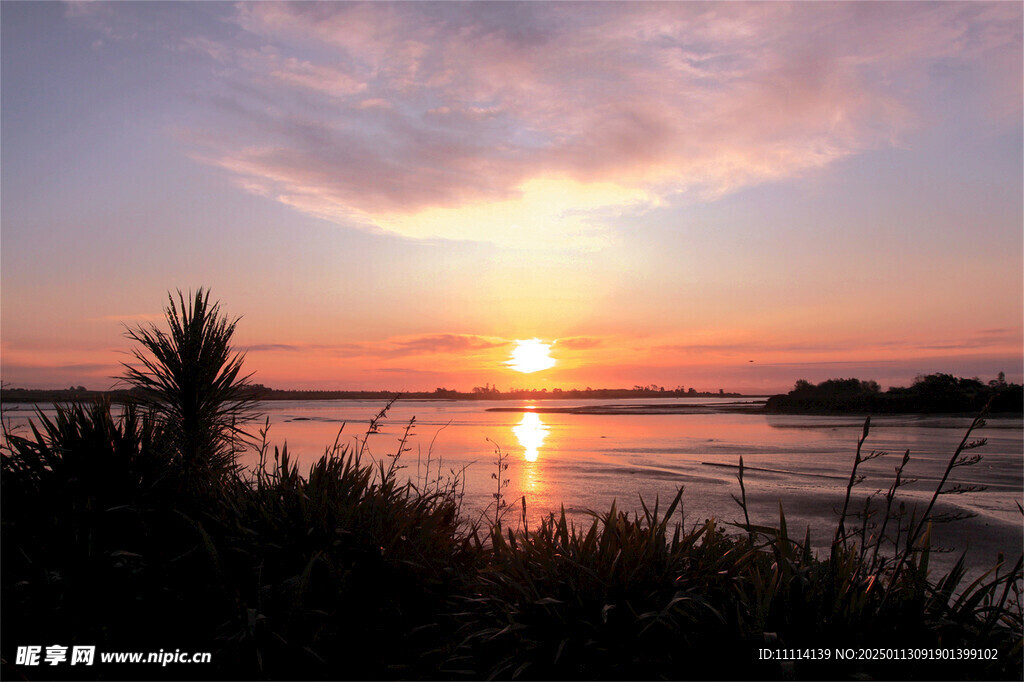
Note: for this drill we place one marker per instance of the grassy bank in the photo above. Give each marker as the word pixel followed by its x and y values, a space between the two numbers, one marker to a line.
pixel 139 533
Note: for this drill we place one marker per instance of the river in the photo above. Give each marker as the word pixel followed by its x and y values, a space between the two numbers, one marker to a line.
pixel 584 461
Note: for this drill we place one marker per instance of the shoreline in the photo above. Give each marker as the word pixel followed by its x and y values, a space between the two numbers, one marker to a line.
pixel 717 408
pixel 749 404
pixel 22 395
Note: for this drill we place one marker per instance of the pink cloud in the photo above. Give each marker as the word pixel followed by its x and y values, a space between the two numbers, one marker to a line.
pixel 580 343
pixel 422 344
pixel 318 78
pixel 447 105
pixel 447 343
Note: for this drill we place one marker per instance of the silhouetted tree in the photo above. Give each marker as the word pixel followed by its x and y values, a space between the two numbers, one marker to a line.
pixel 802 386
pixel 192 380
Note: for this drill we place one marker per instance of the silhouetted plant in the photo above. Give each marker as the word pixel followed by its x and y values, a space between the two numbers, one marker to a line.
pixel 335 568
pixel 89 502
pixel 627 598
pixel 192 380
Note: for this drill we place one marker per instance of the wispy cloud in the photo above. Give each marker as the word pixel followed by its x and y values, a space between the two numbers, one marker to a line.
pixel 539 124
pixel 271 347
pixel 43 374
pixel 132 317
pixel 425 344
pixel 985 340
pixel 580 342
pixel 446 343
pixel 77 367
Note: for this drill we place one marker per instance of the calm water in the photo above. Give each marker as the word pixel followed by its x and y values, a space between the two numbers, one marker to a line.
pixel 586 461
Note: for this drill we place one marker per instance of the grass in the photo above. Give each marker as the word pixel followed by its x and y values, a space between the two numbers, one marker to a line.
pixel 115 536
pixel 642 598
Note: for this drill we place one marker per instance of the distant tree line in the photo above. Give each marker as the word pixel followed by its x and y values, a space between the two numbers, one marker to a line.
pixel 648 391
pixel 934 393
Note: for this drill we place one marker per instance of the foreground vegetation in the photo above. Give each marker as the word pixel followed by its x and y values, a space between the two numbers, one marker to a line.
pixel 130 535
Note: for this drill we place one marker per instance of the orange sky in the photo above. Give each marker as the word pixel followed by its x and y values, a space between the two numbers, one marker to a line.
pixel 728 196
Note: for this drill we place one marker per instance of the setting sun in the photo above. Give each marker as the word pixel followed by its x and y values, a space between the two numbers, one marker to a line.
pixel 531 356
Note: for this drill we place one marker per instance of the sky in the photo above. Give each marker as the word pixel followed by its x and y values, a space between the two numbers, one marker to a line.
pixel 720 196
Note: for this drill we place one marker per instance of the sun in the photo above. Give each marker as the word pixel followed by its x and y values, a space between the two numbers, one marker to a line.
pixel 531 356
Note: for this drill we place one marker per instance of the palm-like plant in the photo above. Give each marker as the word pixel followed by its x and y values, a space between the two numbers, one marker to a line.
pixel 192 379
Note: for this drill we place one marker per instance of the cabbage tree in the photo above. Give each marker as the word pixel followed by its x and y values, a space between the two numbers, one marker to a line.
pixel 192 379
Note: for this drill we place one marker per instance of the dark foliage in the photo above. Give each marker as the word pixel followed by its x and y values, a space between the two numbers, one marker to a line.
pixel 349 573
pixel 192 380
pixel 934 393
pixel 98 546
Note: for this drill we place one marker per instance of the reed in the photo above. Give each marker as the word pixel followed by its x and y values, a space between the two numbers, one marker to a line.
pixel 630 598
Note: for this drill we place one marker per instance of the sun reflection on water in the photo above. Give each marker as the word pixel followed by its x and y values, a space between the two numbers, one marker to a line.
pixel 531 433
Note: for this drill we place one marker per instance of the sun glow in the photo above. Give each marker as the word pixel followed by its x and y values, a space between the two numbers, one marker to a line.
pixel 531 356
pixel 544 212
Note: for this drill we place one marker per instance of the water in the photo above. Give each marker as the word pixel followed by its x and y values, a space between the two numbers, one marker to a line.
pixel 584 461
